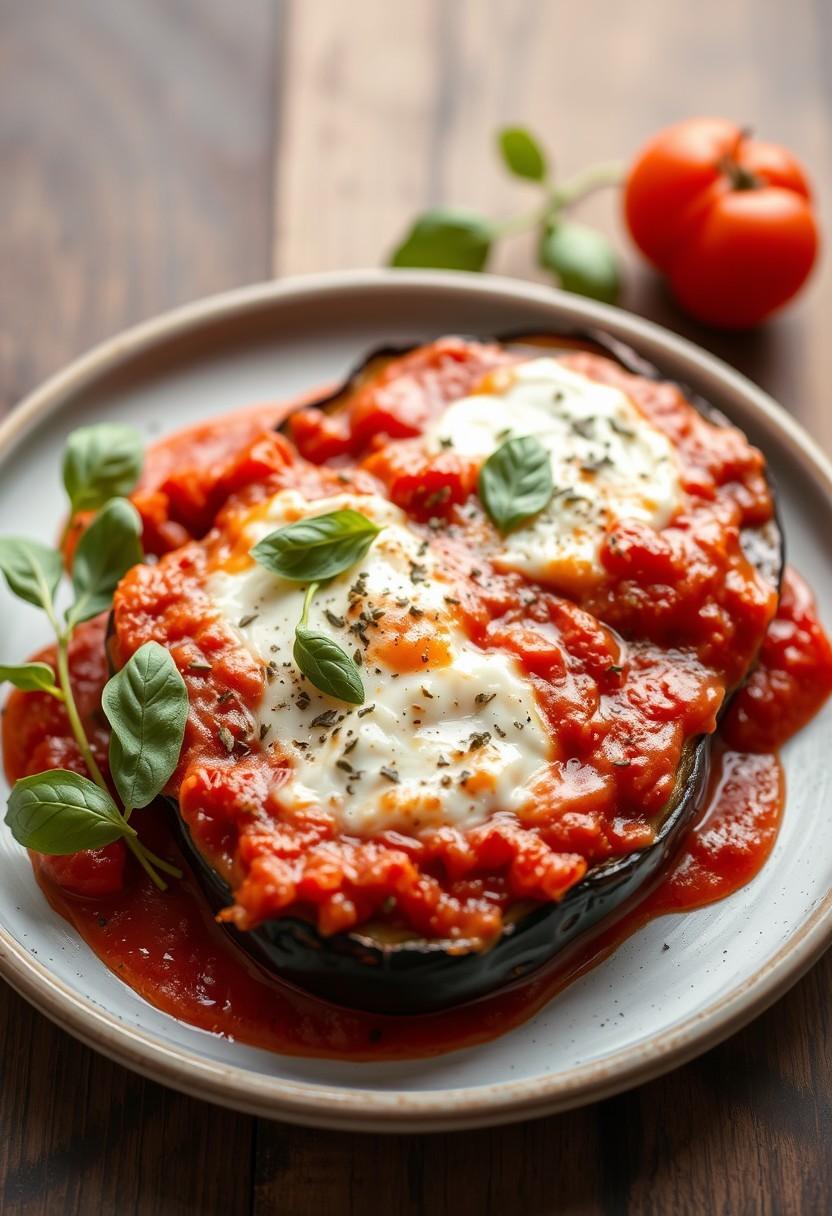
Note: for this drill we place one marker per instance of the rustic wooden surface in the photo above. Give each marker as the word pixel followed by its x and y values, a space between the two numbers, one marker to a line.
pixel 152 151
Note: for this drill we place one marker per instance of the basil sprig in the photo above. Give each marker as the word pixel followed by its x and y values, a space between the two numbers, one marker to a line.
pixel 312 551
pixel 101 462
pixel 146 704
pixel 323 662
pixel 522 154
pixel 31 569
pixel 30 677
pixel 515 483
pixel 110 546
pixel 60 811
pixel 317 548
pixel 578 258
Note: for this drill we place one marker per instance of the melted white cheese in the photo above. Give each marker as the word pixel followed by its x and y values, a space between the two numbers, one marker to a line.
pixel 608 463
pixel 449 740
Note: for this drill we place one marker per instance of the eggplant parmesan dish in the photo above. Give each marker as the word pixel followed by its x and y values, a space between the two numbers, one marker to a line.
pixel 451 677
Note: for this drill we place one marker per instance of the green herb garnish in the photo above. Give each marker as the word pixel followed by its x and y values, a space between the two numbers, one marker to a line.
pixel 146 704
pixel 317 548
pixel 59 811
pixel 515 483
pixel 579 258
pixel 314 550
pixel 101 462
pixel 323 662
pixel 31 677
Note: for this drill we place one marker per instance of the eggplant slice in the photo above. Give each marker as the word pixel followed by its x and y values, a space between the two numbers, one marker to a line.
pixel 384 971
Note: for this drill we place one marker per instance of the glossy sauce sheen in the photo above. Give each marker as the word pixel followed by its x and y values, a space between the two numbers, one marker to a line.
pixel 168 948
pixel 622 634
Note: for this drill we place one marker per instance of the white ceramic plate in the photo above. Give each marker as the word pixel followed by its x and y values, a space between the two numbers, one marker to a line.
pixel 645 1009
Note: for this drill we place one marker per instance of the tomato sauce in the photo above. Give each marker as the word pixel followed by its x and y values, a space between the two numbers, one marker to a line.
pixel 693 608
pixel 168 948
pixel 698 633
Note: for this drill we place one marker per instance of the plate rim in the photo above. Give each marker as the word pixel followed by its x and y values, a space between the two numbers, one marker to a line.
pixel 338 1107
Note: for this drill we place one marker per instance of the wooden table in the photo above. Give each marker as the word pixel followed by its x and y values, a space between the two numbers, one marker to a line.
pixel 152 151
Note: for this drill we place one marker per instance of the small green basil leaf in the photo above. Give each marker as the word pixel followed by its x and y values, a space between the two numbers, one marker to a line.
pixel 32 570
pixel 447 240
pixel 522 153
pixel 106 551
pixel 61 812
pixel 101 462
pixel 318 548
pixel 327 666
pixel 515 482
pixel 582 259
pixel 146 704
pixel 31 677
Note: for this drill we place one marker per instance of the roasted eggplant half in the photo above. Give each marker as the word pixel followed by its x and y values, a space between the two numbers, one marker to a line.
pixel 387 971
pixel 375 970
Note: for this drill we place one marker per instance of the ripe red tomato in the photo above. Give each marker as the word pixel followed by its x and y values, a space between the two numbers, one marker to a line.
pixel 727 218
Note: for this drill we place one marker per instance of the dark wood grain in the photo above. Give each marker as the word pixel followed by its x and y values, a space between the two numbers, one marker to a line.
pixel 155 150
pixel 135 174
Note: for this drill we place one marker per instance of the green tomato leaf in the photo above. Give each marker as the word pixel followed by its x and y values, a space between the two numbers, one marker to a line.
pixel 522 153
pixel 107 550
pixel 327 666
pixel 582 259
pixel 317 548
pixel 146 704
pixel 30 677
pixel 31 569
pixel 446 239
pixel 61 812
pixel 515 482
pixel 101 462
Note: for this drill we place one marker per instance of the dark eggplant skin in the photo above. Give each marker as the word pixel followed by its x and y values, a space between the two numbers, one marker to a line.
pixel 375 970
pixel 416 976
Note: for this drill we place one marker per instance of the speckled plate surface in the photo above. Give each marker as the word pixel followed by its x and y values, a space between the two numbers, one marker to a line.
pixel 641 1012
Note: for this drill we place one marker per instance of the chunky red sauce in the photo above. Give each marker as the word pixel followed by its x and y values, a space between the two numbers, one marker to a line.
pixel 167 947
pixel 696 612
pixel 692 608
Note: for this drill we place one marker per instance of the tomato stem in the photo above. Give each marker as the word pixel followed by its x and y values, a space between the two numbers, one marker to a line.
pixel 729 165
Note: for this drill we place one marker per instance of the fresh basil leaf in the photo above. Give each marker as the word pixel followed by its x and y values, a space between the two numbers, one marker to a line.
pixel 107 550
pixel 582 259
pixel 446 239
pixel 522 153
pixel 61 812
pixel 101 462
pixel 30 677
pixel 515 482
pixel 327 666
pixel 317 548
pixel 146 704
pixel 32 570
